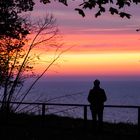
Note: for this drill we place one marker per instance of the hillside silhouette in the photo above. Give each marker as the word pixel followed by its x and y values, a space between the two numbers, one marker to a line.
pixel 31 127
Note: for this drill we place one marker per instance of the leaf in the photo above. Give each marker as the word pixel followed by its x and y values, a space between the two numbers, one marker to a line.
pixel 80 12
pixel 123 14
pixel 93 3
pixel 127 3
pixel 120 3
pixel 45 1
pixel 87 5
pixel 111 1
pixel 97 14
pixel 102 9
pixel 64 2
pixel 113 10
pixel 136 1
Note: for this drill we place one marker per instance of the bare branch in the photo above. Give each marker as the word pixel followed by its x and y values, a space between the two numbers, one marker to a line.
pixel 53 61
pixel 43 26
pixel 64 96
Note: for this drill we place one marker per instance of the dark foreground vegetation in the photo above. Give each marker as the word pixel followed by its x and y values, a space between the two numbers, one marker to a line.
pixel 30 127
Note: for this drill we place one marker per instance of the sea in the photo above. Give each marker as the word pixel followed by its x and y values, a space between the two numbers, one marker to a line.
pixel 76 92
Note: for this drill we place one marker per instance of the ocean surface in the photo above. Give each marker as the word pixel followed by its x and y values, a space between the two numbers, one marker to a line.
pixel 76 92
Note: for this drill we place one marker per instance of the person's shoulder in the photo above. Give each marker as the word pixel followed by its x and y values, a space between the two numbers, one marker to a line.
pixel 91 90
pixel 102 89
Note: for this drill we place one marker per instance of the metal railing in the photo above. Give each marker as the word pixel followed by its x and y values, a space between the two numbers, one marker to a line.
pixel 43 108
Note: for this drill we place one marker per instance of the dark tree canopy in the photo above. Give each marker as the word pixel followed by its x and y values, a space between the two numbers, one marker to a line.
pixel 11 25
pixel 115 6
pixel 13 30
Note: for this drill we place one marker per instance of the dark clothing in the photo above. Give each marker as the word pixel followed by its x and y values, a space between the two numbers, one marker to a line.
pixel 96 98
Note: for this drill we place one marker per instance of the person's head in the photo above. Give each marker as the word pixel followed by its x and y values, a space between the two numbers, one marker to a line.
pixel 96 83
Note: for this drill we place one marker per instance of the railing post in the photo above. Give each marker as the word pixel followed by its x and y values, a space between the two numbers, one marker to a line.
pixel 139 119
pixel 85 116
pixel 43 109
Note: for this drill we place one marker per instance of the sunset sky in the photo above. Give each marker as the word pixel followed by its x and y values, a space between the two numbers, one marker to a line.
pixel 107 46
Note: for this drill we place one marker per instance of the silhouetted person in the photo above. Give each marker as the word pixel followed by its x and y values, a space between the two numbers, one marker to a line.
pixel 96 98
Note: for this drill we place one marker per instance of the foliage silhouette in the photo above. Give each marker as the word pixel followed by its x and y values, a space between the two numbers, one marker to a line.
pixel 10 22
pixel 16 60
pixel 112 6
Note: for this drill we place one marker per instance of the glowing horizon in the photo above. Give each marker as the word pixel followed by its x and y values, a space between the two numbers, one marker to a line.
pixel 93 64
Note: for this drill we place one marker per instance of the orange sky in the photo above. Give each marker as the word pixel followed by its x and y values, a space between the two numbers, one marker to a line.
pixel 104 46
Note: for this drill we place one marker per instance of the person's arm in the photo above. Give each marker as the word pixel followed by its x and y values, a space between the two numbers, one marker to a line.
pixel 105 97
pixel 89 97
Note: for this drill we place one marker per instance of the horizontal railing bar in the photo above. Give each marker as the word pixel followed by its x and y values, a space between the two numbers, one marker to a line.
pixel 122 106
pixel 80 105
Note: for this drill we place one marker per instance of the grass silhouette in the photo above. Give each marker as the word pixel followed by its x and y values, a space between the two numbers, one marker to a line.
pixel 32 127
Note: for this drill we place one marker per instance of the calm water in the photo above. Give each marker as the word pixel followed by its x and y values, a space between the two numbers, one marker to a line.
pixel 118 93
